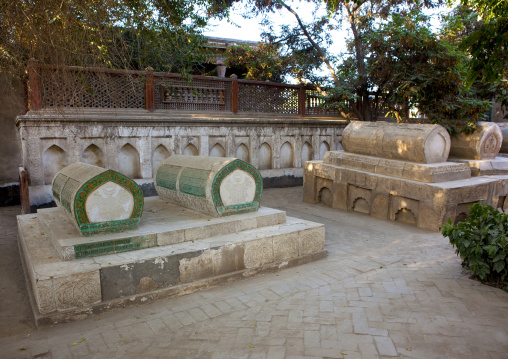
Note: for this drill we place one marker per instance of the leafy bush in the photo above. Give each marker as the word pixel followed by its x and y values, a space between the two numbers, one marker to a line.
pixel 481 243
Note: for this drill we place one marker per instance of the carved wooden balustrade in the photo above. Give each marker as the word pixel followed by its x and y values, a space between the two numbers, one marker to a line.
pixel 53 86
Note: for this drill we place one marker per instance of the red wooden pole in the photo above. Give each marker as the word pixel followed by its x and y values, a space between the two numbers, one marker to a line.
pixel 234 94
pixel 34 85
pixel 149 91
pixel 301 101
pixel 24 196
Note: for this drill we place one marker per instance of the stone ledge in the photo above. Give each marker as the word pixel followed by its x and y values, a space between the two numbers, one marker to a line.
pixel 428 173
pixel 162 224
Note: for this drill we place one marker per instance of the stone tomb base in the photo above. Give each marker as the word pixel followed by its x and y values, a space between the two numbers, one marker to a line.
pixel 181 251
pixel 497 166
pixel 378 188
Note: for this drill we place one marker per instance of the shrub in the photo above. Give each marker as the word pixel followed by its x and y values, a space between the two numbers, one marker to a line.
pixel 481 243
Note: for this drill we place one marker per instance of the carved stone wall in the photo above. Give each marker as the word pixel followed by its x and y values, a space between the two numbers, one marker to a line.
pixel 137 141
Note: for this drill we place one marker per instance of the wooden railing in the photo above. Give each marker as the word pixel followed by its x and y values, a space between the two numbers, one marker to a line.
pixel 53 86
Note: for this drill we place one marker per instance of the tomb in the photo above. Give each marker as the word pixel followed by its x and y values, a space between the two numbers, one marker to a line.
pixel 480 150
pixel 96 200
pixel 174 250
pixel 400 172
pixel 216 186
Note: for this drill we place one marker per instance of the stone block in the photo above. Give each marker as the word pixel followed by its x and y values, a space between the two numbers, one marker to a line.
pixel 124 279
pixel 311 240
pixel 429 217
pixel 45 295
pixel 196 268
pixel 285 247
pixel 170 237
pixel 258 252
pixel 77 290
pixel 340 195
pixel 228 259
pixel 380 205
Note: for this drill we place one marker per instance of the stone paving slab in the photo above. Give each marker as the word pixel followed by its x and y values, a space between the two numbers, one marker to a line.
pixel 386 290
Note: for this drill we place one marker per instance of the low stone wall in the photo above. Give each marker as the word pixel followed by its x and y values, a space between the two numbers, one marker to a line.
pixel 135 142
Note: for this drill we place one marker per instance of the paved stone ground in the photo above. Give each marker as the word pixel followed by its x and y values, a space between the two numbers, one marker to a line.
pixel 385 290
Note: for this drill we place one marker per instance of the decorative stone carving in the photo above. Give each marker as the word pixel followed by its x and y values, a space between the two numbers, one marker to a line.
pixel 483 144
pixel 216 186
pixel 406 142
pixel 97 200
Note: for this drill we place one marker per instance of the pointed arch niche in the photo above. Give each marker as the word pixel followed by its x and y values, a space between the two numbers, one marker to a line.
pixel 286 156
pixel 265 157
pixel 306 152
pixel 242 153
pixel 93 155
pixel 323 148
pixel 159 155
pixel 190 150
pixel 53 160
pixel 128 161
pixel 217 151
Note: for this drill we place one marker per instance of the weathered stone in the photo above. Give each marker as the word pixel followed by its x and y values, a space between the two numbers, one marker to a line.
pixel 258 252
pixel 483 144
pixel 216 186
pixel 407 142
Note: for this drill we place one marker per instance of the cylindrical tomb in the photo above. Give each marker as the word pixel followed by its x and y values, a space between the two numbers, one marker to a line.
pixel 97 200
pixel 420 143
pixel 216 186
pixel 483 144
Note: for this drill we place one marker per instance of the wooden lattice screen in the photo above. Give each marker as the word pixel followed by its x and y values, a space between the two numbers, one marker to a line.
pixel 199 95
pixel 313 104
pixel 84 87
pixel 74 88
pixel 267 98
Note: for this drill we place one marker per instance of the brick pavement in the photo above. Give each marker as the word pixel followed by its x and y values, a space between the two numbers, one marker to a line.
pixel 385 290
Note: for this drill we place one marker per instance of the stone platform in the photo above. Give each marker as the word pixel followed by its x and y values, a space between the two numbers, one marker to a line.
pixel 185 251
pixel 381 188
pixel 497 166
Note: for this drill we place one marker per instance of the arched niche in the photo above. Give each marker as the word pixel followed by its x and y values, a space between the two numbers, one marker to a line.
pixel 265 157
pixel 128 162
pixel 323 148
pixel 242 153
pixel 306 152
pixel 217 151
pixel 159 154
pixel 93 156
pixel 286 156
pixel 190 150
pixel 53 160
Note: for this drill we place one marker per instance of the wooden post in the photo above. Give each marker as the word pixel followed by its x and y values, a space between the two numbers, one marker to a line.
pixel 234 94
pixel 149 91
pixel 24 195
pixel 34 85
pixel 301 100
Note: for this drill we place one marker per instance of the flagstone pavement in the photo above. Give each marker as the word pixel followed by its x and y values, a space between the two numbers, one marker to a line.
pixel 385 290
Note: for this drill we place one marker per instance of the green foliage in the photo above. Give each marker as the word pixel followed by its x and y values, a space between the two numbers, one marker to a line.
pixel 124 34
pixel 481 243
pixel 262 63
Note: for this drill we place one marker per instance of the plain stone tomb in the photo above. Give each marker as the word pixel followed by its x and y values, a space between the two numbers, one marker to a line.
pixel 399 172
pixel 173 251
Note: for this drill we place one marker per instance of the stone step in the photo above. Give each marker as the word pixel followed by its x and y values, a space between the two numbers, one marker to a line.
pixel 162 224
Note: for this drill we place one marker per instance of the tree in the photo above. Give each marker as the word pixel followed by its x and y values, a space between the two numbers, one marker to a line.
pixel 124 34
pixel 262 63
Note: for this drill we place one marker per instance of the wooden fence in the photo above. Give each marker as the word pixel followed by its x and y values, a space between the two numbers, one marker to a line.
pixel 53 86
